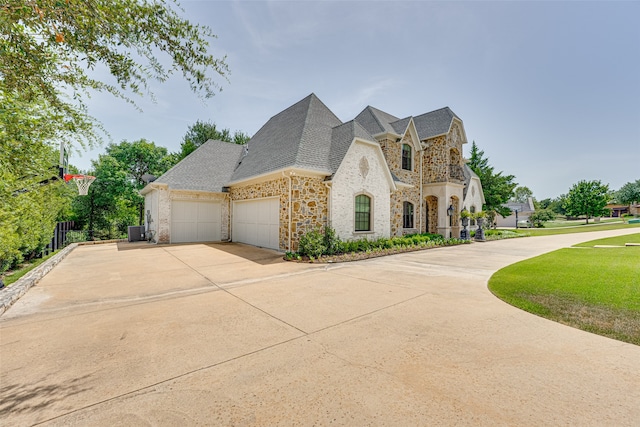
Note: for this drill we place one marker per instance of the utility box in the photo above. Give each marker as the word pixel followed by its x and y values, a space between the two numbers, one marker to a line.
pixel 136 233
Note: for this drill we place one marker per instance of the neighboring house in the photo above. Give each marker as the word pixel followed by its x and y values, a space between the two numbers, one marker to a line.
pixel 473 195
pixel 523 209
pixel 617 210
pixel 374 176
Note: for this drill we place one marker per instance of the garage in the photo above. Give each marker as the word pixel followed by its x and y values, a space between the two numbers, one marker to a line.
pixel 195 221
pixel 257 222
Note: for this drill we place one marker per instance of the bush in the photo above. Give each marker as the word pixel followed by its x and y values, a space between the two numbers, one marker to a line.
pixel 540 216
pixel 312 243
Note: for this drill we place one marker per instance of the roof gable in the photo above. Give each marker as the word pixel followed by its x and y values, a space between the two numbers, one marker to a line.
pixel 341 139
pixel 208 168
pixel 376 121
pixel 434 123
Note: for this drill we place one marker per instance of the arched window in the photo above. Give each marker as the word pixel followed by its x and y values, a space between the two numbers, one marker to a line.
pixel 407 215
pixel 406 157
pixel 472 210
pixel 363 213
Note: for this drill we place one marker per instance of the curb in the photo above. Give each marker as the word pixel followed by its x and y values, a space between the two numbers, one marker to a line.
pixel 11 294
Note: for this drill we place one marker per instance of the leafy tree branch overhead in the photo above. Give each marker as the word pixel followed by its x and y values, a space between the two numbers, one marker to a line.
pixel 48 48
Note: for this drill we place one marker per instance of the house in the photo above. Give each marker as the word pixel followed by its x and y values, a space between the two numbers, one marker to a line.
pixel 374 176
pixel 521 217
pixel 617 210
pixel 473 196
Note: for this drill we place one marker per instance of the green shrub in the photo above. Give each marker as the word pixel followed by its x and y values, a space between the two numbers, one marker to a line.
pixel 312 243
pixel 332 242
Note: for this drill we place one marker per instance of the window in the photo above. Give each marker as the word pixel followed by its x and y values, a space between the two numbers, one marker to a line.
pixel 406 157
pixel 473 220
pixel 407 215
pixel 363 213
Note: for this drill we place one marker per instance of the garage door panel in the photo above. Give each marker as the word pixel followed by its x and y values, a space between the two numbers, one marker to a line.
pixel 257 222
pixel 195 221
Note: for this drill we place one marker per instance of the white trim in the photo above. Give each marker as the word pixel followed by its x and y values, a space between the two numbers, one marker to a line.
pixel 268 176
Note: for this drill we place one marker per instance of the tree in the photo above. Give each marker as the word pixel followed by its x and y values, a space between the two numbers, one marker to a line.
pixel 521 194
pixel 113 201
pixel 629 193
pixel 200 132
pixel 540 216
pixel 587 198
pixel 49 49
pixel 497 188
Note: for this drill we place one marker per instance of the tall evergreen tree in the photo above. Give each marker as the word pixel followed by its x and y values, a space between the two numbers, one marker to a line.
pixel 497 188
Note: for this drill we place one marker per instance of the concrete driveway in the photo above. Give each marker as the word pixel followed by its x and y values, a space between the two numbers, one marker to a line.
pixel 227 334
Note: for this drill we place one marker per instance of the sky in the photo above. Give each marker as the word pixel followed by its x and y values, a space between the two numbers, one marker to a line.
pixel 550 91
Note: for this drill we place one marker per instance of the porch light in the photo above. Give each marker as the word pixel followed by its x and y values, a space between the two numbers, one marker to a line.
pixel 450 210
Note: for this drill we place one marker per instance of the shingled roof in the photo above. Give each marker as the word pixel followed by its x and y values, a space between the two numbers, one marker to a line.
pixel 208 168
pixel 376 121
pixel 300 136
pixel 434 123
pixel 341 139
pixel 428 125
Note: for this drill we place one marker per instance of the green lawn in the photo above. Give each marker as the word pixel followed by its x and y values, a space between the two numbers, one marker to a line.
pixel 569 230
pixel 578 222
pixel 594 289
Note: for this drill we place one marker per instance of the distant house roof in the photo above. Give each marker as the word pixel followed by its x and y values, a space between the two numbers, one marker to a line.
pixel 300 136
pixel 521 207
pixel 428 125
pixel 208 168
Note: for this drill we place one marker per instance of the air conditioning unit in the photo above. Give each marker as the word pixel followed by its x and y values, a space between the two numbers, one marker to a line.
pixel 136 233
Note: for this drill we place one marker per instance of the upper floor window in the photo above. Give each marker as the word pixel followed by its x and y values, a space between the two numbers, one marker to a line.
pixel 407 215
pixel 363 213
pixel 406 157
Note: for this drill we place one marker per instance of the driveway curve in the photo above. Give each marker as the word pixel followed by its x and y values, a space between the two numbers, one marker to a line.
pixel 227 334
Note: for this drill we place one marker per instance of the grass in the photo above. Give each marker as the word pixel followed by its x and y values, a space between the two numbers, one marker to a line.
pixel 13 276
pixel 570 230
pixel 593 289
pixel 578 222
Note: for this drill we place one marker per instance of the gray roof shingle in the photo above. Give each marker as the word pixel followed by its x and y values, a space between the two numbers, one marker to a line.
pixel 428 125
pixel 434 123
pixel 299 136
pixel 376 121
pixel 341 139
pixel 208 168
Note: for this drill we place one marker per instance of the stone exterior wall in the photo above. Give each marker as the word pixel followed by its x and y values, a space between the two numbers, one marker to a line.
pixel 309 204
pixel 362 172
pixel 393 155
pixel 436 160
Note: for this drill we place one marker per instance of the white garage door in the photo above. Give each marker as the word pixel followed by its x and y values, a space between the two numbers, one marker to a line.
pixel 193 221
pixel 257 222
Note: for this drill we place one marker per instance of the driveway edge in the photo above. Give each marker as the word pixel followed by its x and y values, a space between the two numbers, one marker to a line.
pixel 11 294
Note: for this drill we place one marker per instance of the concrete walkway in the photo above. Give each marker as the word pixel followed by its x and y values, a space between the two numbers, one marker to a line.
pixel 231 335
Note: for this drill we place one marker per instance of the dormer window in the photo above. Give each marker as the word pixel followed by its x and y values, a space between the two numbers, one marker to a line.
pixel 406 157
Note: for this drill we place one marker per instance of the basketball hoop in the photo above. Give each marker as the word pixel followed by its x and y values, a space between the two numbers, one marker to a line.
pixel 82 181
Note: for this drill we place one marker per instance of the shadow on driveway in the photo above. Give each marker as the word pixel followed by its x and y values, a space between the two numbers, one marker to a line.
pixel 262 256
